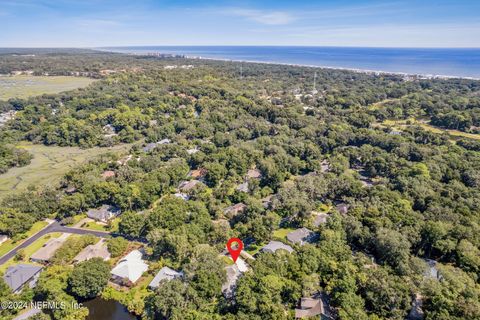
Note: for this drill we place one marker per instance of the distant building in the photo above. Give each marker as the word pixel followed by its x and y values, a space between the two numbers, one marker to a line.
pixel 193 150
pixel 20 275
pixel 254 174
pixel 104 213
pixel 182 196
pixel 324 166
pixel 3 238
pixel 233 274
pixel 45 253
pixel 98 250
pixel 342 208
pixel 235 210
pixel 199 173
pixel 109 131
pixel 319 218
pixel 273 246
pixel 301 236
pixel 431 270
pixel 186 186
pixel 129 269
pixel 243 187
pixel 108 174
pixel 416 313
pixel 309 307
pixel 70 190
pixel 150 146
pixel 164 274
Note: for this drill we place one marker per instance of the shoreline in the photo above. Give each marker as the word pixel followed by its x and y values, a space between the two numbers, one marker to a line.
pixel 357 70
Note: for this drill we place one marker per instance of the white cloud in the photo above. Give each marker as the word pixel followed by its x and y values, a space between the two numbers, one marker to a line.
pixel 263 17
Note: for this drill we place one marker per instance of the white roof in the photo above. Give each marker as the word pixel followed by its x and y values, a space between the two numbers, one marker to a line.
pixel 164 273
pixel 131 266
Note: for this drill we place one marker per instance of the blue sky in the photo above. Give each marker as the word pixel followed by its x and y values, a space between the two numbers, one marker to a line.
pixel 91 23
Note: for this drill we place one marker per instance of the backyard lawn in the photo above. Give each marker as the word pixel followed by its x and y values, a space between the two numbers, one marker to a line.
pixel 28 86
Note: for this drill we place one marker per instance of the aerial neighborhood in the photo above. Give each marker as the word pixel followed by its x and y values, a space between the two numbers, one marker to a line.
pixel 121 194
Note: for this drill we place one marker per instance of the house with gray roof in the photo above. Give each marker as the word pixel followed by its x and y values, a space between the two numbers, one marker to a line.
pixel 186 186
pixel 45 253
pixel 233 274
pixel 104 213
pixel 164 274
pixel 319 218
pixel 20 275
pixel 301 236
pixel 342 208
pixel 309 307
pixel 98 250
pixel 273 246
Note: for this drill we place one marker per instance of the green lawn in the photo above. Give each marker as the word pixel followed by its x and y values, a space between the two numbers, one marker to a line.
pixel 28 86
pixel 49 165
pixel 31 249
pixel 281 234
pixel 400 124
pixel 9 244
pixel 102 227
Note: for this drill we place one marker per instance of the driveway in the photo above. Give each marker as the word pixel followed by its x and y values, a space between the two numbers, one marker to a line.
pixel 53 227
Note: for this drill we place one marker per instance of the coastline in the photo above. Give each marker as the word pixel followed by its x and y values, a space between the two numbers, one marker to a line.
pixel 420 76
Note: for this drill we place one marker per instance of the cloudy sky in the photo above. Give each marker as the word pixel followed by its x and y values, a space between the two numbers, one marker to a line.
pixel 94 23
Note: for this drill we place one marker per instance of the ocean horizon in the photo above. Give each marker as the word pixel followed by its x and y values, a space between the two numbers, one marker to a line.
pixel 442 62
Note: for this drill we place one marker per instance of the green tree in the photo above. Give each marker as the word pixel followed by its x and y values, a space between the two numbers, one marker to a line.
pixel 89 278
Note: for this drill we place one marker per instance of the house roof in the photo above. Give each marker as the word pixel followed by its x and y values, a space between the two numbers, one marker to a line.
pixel 165 274
pixel 254 174
pixel 98 250
pixel 319 218
pixel 234 210
pixel 16 276
pixel 108 174
pixel 342 208
pixel 243 187
pixel 131 267
pixel 198 173
pixel 301 236
pixel 46 252
pixel 188 185
pixel 233 273
pixel 309 307
pixel 103 213
pixel 273 246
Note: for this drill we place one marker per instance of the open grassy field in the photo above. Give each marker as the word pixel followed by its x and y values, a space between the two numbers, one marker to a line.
pixel 49 164
pixel 399 124
pixel 27 86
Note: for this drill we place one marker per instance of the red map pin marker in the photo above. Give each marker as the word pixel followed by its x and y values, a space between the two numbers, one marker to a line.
pixel 235 249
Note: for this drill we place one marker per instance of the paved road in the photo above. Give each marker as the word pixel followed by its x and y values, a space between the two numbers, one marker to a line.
pixel 54 227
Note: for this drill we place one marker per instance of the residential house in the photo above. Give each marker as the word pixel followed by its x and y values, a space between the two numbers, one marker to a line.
pixel 431 270
pixel 98 250
pixel 104 213
pixel 235 210
pixel 301 236
pixel 416 312
pixel 309 307
pixel 108 174
pixel 186 186
pixel 234 272
pixel 20 275
pixel 164 274
pixel 3 238
pixel 198 173
pixel 182 196
pixel 109 131
pixel 46 252
pixel 243 187
pixel 342 208
pixel 150 146
pixel 273 246
pixel 319 218
pixel 254 174
pixel 129 269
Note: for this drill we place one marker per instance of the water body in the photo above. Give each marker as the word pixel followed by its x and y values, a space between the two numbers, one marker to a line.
pixel 100 309
pixel 443 62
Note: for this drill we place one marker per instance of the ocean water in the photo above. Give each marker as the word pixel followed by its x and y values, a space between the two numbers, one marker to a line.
pixel 442 62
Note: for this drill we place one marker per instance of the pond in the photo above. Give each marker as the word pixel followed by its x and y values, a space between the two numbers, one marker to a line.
pixel 100 309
